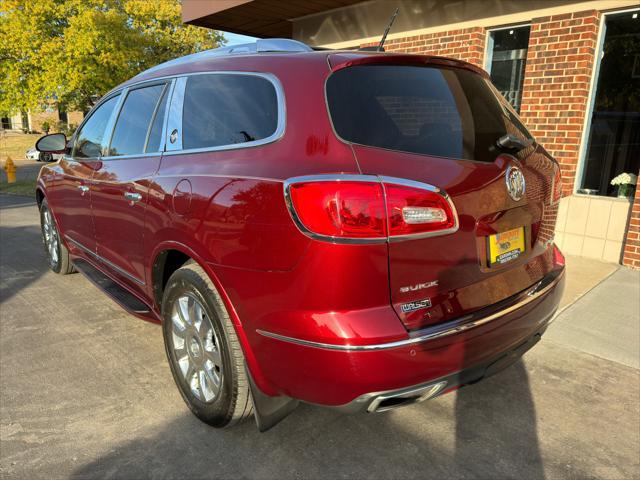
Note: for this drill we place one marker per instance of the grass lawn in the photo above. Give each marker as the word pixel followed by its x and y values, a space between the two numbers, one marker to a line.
pixel 21 187
pixel 16 144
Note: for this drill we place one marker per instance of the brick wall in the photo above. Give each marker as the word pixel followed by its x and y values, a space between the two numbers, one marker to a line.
pixel 560 62
pixel 631 254
pixel 466 44
pixel 36 119
pixel 75 118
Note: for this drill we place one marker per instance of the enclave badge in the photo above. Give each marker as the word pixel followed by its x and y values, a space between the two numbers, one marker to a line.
pixel 412 306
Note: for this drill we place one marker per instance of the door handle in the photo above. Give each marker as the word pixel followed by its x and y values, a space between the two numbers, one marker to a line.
pixel 132 196
pixel 83 189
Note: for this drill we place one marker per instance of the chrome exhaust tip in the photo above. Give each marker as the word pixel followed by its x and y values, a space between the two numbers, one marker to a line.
pixel 392 400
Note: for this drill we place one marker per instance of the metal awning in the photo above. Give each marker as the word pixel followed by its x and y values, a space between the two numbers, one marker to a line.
pixel 257 18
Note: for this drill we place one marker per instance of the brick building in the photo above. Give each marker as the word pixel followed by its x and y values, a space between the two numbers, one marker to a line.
pixel 571 68
pixel 32 121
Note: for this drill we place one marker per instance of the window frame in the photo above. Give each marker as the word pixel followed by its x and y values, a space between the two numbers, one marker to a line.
pixel 168 83
pixel 591 98
pixel 176 108
pixel 488 51
pixel 107 136
pixel 176 85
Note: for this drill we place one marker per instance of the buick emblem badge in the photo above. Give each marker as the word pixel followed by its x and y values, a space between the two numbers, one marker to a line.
pixel 515 183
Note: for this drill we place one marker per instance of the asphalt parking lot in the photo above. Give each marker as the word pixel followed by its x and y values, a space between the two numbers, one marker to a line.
pixel 86 393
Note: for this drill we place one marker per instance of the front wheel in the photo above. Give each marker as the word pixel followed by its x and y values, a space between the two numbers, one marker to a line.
pixel 204 354
pixel 57 253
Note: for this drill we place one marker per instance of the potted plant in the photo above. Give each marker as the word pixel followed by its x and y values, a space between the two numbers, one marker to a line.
pixel 46 127
pixel 626 183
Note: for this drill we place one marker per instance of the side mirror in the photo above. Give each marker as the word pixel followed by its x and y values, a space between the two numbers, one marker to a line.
pixel 54 143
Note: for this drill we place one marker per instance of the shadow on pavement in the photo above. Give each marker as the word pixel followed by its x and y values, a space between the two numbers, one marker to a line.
pixel 495 437
pixel 19 266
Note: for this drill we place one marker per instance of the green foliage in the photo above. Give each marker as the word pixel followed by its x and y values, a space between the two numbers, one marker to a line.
pixel 66 128
pixel 21 187
pixel 74 51
pixel 46 127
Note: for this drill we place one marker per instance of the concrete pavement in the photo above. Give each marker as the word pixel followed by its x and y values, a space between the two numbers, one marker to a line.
pixel 86 393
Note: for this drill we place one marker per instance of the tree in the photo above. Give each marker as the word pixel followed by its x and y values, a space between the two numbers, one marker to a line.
pixel 71 52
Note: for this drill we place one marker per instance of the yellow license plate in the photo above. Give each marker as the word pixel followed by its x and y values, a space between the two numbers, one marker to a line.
pixel 506 246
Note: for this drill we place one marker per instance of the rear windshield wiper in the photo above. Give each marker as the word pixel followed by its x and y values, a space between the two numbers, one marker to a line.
pixel 512 143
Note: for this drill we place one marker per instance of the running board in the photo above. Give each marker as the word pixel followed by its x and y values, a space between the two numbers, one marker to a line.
pixel 120 295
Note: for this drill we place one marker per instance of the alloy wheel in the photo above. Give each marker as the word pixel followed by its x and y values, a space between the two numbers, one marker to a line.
pixel 50 237
pixel 196 348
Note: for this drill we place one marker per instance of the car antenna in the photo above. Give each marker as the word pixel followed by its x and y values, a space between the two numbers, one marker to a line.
pixel 384 36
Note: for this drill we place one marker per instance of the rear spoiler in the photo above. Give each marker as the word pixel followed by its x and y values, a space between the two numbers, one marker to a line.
pixel 338 61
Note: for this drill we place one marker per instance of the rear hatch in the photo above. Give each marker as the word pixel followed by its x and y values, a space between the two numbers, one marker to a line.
pixel 438 122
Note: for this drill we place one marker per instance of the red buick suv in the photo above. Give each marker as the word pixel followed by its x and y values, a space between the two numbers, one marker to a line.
pixel 350 229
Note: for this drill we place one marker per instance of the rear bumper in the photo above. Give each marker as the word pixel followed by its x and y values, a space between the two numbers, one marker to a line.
pixel 353 376
pixel 382 401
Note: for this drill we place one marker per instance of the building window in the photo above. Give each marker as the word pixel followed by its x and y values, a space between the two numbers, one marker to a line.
pixel 506 61
pixel 613 144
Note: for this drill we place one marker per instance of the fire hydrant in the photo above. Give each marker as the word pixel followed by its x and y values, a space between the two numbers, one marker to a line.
pixel 10 168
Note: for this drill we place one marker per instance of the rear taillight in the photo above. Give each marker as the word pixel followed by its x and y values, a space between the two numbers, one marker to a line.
pixel 558 257
pixel 417 210
pixel 367 207
pixel 340 209
pixel 557 185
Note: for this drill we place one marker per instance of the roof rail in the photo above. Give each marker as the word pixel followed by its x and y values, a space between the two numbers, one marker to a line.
pixel 262 45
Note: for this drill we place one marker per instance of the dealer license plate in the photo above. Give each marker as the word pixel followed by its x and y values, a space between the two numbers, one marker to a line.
pixel 506 246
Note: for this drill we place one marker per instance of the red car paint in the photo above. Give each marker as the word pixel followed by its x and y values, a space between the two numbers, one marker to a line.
pixel 226 210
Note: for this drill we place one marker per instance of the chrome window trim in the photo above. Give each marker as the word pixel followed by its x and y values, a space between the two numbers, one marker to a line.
pixel 113 121
pixel 165 123
pixel 366 178
pixel 175 78
pixel 104 260
pixel 112 158
pixel 111 124
pixel 162 98
pixel 428 334
pixel 95 108
pixel 176 112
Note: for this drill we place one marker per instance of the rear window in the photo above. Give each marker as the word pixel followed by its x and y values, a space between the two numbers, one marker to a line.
pixel 225 109
pixel 431 111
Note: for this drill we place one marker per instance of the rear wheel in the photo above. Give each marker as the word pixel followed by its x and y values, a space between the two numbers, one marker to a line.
pixel 204 354
pixel 57 253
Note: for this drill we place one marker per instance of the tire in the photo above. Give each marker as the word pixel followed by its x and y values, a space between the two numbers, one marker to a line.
pixel 204 352
pixel 55 250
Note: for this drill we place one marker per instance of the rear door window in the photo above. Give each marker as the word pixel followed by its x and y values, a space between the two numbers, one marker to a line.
pixel 220 110
pixel 443 112
pixel 135 121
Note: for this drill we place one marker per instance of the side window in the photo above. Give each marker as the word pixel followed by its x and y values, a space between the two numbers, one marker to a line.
pixel 134 121
pixel 227 109
pixel 155 133
pixel 90 139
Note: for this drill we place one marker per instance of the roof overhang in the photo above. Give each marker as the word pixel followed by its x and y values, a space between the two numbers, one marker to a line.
pixel 257 18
